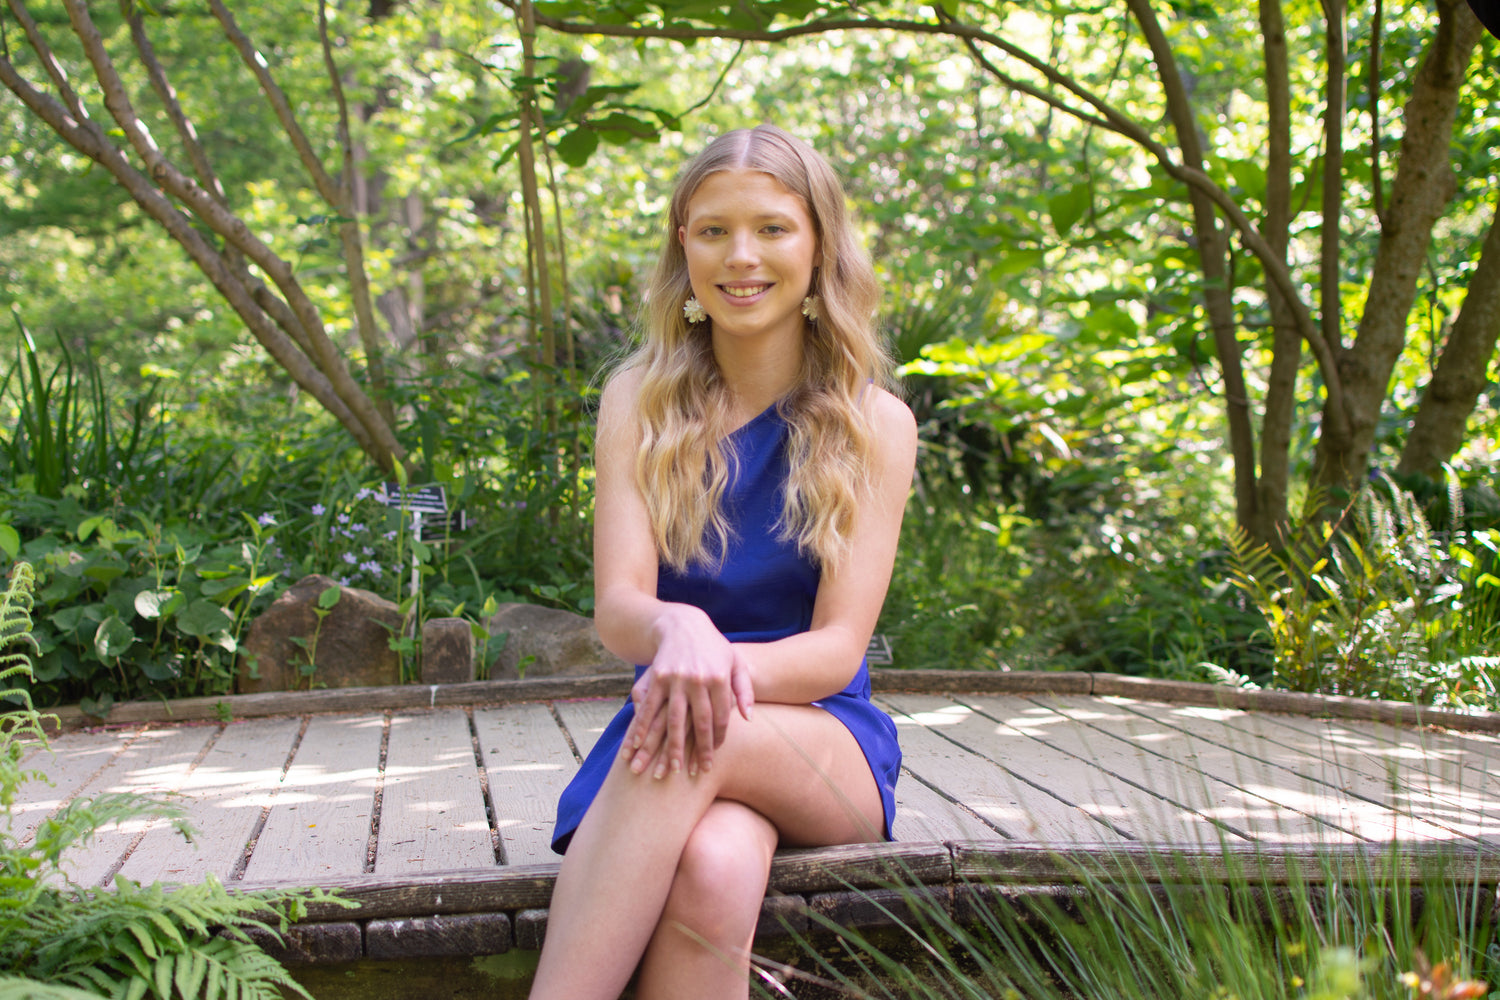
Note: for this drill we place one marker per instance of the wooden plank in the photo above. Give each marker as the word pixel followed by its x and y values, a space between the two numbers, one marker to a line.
pixel 586 720
pixel 925 815
pixel 1273 864
pixel 981 681
pixel 365 699
pixel 528 762
pixel 1294 702
pixel 617 685
pixel 860 866
pixel 319 824
pixel 154 765
pixel 1023 788
pixel 1430 775
pixel 1129 785
pixel 225 797
pixel 1365 802
pixel 1299 787
pixel 68 762
pixel 432 813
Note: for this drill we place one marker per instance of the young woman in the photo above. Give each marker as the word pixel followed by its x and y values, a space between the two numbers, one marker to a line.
pixel 751 476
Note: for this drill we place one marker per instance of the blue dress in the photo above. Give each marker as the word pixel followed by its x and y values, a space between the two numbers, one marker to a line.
pixel 764 591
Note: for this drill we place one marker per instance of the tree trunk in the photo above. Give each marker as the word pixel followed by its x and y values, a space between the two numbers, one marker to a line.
pixel 1213 260
pixel 1423 187
pixel 1438 430
pixel 1270 514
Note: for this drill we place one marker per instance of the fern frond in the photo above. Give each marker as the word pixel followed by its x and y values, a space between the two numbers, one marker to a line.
pixel 21 988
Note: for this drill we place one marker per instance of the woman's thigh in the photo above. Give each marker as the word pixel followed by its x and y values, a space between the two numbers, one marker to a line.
pixel 803 770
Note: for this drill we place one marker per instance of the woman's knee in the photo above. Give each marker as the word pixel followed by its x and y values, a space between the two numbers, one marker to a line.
pixel 722 873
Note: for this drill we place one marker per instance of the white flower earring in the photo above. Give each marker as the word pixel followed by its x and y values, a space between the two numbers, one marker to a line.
pixel 693 310
pixel 810 308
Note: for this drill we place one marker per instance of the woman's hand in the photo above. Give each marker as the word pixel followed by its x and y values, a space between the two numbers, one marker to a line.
pixel 684 700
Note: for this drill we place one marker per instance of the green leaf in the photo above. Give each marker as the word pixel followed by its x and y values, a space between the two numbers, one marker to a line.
pixel 577 146
pixel 150 603
pixel 112 638
pixel 10 541
pixel 202 618
pixel 330 597
pixel 1069 206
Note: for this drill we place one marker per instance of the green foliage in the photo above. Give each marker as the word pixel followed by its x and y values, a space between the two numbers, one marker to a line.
pixel 1375 603
pixel 126 613
pixel 190 942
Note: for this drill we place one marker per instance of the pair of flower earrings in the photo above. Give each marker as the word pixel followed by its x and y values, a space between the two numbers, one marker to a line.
pixel 695 313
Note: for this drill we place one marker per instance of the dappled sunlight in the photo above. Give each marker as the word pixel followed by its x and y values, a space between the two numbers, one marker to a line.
pixel 952 715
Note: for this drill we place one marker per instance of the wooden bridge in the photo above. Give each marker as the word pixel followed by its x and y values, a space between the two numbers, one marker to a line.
pixel 432 807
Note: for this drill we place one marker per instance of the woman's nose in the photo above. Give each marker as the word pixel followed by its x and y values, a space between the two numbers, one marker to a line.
pixel 742 250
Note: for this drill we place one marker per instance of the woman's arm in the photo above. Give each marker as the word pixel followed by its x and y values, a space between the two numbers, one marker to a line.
pixel 697 678
pixel 821 661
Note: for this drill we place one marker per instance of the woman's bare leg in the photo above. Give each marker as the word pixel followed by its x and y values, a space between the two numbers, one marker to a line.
pixel 701 947
pixel 795 765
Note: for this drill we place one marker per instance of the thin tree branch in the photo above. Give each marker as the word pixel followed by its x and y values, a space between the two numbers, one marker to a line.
pixel 1335 99
pixel 349 235
pixel 1108 117
pixel 277 99
pixel 49 61
pixel 1377 182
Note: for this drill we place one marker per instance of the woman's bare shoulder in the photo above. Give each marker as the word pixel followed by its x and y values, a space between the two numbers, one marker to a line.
pixel 890 418
pixel 621 387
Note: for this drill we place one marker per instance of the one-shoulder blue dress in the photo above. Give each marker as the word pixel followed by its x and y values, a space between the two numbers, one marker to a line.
pixel 764 591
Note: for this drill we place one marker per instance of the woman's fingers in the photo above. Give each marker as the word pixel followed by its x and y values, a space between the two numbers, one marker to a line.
pixel 705 733
pixel 742 685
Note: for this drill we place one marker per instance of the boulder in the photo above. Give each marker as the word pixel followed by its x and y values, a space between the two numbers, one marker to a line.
pixel 352 644
pixel 547 642
pixel 447 651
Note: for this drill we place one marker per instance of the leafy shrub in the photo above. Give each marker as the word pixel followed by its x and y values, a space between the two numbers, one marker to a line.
pixel 133 612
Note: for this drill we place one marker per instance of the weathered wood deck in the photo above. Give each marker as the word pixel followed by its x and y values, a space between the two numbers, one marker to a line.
pixel 436 816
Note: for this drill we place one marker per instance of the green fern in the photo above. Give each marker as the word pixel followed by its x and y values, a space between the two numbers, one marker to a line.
pixel 1371 602
pixel 59 941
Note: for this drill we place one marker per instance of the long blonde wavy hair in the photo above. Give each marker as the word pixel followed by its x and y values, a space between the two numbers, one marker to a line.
pixel 684 466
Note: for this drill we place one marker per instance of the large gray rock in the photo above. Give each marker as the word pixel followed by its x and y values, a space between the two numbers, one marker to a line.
pixel 352 648
pixel 547 642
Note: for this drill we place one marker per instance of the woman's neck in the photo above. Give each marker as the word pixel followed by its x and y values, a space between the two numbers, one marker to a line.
pixel 757 373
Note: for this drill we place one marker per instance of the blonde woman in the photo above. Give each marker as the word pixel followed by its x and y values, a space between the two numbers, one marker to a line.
pixel 752 474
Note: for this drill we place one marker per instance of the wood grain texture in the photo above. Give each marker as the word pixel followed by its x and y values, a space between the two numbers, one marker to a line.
pixel 585 720
pixel 152 767
pixel 528 763
pixel 66 766
pixel 226 795
pixel 319 824
pixel 432 814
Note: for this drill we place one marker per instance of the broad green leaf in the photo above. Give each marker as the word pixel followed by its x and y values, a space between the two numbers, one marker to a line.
pixel 203 618
pixel 1069 206
pixel 112 638
pixel 577 146
pixel 149 603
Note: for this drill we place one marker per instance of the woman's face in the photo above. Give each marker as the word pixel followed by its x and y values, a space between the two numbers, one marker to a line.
pixel 751 248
